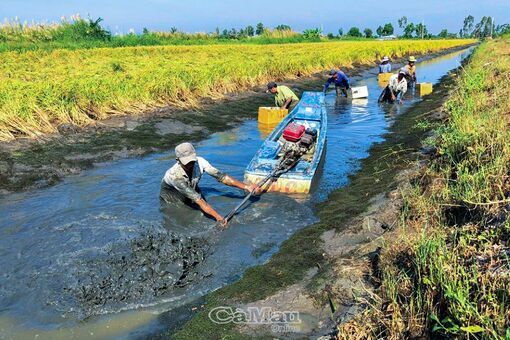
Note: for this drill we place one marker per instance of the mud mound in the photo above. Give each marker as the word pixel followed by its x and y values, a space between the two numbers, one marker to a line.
pixel 136 273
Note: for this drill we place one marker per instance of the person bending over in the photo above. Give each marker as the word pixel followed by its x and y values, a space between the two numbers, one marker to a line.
pixel 180 183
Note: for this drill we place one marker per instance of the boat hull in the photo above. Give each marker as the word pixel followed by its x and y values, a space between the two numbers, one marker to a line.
pixel 284 185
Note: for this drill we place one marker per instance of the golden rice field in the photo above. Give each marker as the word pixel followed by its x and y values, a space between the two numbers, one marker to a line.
pixel 40 90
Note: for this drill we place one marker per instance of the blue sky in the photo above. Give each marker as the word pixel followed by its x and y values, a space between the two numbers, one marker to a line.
pixel 205 16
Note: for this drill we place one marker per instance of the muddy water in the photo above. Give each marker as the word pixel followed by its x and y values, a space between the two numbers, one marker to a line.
pixel 99 256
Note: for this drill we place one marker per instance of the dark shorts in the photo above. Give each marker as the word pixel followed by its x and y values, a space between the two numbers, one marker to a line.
pixel 293 104
pixel 341 90
pixel 385 96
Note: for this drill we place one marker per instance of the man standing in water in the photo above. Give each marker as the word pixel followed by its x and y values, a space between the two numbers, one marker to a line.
pixel 385 66
pixel 284 98
pixel 180 183
pixel 341 82
pixel 410 70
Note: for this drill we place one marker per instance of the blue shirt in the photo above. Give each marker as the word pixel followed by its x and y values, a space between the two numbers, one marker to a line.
pixel 385 68
pixel 342 81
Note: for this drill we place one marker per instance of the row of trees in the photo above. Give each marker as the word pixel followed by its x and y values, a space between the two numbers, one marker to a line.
pixel 484 28
pixel 248 31
pixel 234 33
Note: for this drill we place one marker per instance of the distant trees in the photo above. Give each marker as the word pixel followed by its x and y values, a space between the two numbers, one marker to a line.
pixel 283 28
pixel 379 31
pixel 409 30
pixel 443 34
pixel 503 29
pixel 421 30
pixel 468 26
pixel 386 30
pixel 354 32
pixel 485 28
pixel 402 22
pixel 259 29
pixel 250 31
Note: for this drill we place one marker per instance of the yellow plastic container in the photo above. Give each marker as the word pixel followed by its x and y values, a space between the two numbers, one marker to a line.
pixel 271 115
pixel 424 88
pixel 266 129
pixel 384 77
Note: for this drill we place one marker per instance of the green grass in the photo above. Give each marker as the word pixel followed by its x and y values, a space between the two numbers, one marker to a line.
pixel 449 273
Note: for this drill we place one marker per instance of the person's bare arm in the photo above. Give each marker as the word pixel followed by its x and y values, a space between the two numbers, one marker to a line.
pixel 205 207
pixel 232 182
pixel 228 180
pixel 287 103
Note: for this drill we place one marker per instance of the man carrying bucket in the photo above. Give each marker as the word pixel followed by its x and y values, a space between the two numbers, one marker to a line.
pixel 180 183
pixel 341 82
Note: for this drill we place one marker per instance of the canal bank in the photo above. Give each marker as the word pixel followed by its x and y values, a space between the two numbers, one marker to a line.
pixel 447 273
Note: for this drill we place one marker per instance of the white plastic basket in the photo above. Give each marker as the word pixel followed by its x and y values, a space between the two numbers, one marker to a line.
pixel 358 92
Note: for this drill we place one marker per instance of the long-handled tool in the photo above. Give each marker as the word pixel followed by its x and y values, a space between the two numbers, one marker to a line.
pixel 285 164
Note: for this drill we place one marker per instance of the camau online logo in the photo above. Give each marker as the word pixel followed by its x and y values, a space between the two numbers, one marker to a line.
pixel 252 315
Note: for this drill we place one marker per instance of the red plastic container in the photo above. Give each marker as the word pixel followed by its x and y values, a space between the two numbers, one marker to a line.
pixel 293 132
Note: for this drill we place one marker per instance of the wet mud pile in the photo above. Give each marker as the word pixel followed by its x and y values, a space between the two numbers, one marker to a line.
pixel 136 273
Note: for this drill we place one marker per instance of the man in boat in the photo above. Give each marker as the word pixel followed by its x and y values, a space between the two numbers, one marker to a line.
pixel 284 98
pixel 410 70
pixel 341 82
pixel 385 66
pixel 180 183
pixel 395 89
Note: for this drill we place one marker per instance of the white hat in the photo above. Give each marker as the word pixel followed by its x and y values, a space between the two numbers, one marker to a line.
pixel 185 153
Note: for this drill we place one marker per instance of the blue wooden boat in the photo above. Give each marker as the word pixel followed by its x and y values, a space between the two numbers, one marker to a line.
pixel 311 113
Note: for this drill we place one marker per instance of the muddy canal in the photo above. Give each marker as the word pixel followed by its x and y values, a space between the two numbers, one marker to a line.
pixel 99 256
